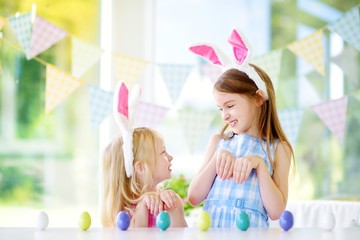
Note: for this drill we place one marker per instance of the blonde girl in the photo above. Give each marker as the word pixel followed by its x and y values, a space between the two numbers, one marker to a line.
pixel 139 194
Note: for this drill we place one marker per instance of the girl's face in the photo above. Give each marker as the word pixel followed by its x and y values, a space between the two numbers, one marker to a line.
pixel 238 111
pixel 163 163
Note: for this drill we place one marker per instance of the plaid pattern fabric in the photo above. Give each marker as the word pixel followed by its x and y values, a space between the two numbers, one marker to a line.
pixel 43 36
pixel 227 199
pixel 175 76
pixel 333 114
pixel 58 86
pixel 83 56
pixel 348 27
pixel 311 49
pixel 101 104
pixel 149 115
pixel 290 121
pixel 22 28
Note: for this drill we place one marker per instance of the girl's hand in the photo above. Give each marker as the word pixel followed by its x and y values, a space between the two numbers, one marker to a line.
pixel 224 164
pixel 153 203
pixel 243 167
pixel 169 197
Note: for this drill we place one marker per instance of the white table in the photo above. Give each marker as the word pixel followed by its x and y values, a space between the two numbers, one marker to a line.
pixel 177 233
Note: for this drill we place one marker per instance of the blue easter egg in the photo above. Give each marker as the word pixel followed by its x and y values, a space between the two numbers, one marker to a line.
pixel 243 221
pixel 123 220
pixel 163 220
pixel 286 220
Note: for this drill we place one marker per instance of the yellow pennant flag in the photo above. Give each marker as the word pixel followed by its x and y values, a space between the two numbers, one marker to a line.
pixel 311 49
pixel 59 85
pixel 2 22
pixel 129 69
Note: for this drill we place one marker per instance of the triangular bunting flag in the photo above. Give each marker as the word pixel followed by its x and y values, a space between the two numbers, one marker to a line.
pixel 211 71
pixel 83 56
pixel 149 115
pixel 174 76
pixel 195 125
pixel 333 114
pixel 291 121
pixel 101 103
pixel 2 22
pixel 58 86
pixel 271 63
pixel 22 27
pixel 348 27
pixel 129 69
pixel 311 49
pixel 43 36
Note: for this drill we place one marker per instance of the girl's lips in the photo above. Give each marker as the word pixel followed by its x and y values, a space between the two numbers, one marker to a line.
pixel 233 123
pixel 170 168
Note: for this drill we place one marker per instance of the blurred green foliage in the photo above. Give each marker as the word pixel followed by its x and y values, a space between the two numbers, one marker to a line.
pixel 180 185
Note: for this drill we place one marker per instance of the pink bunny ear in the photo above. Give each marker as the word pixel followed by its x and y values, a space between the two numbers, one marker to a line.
pixel 241 47
pixel 210 53
pixel 122 100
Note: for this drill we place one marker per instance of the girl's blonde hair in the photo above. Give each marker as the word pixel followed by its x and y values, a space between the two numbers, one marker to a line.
pixel 235 81
pixel 120 192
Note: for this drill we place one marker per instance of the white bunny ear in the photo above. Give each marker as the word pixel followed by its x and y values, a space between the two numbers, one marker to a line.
pixel 241 47
pixel 121 115
pixel 211 53
pixel 134 99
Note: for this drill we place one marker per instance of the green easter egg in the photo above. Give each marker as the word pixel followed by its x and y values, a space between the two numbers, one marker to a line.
pixel 84 221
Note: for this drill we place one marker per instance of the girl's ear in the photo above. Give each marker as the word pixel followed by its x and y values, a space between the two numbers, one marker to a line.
pixel 139 167
pixel 260 97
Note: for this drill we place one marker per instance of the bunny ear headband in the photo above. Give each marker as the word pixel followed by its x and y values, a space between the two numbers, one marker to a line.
pixel 124 107
pixel 242 53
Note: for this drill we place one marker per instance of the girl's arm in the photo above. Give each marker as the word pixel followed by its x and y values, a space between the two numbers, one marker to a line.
pixel 177 215
pixel 140 217
pixel 274 190
pixel 203 180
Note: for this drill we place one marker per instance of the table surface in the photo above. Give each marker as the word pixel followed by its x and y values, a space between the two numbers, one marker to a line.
pixel 177 233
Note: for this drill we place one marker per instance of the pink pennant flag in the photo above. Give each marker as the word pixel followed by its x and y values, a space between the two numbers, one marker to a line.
pixel 333 114
pixel 59 85
pixel 43 36
pixel 211 71
pixel 149 115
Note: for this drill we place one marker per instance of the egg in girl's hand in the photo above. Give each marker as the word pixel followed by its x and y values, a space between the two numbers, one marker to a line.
pixel 42 221
pixel 84 221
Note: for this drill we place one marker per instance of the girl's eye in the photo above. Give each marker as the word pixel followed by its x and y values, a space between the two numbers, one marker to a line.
pixel 220 109
pixel 230 106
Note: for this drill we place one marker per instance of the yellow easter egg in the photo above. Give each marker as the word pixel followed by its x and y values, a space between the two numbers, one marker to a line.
pixel 84 221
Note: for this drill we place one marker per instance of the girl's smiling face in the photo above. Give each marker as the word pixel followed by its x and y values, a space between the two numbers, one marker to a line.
pixel 163 162
pixel 238 111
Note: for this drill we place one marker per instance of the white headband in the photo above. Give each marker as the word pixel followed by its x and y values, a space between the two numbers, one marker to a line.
pixel 124 108
pixel 242 53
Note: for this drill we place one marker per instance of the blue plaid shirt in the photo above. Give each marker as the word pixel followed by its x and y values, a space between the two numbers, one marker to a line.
pixel 227 199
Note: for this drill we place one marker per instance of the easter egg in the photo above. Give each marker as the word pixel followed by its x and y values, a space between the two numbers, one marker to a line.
pixel 327 221
pixel 84 221
pixel 203 220
pixel 286 220
pixel 243 221
pixel 123 220
pixel 42 221
pixel 163 220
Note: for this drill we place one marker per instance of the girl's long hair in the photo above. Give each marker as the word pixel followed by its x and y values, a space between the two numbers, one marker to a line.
pixel 235 81
pixel 120 192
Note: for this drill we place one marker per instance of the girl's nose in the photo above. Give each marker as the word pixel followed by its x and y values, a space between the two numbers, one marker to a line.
pixel 225 115
pixel 170 157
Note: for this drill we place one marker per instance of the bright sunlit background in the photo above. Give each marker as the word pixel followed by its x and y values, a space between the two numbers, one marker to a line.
pixel 52 161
